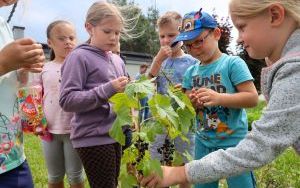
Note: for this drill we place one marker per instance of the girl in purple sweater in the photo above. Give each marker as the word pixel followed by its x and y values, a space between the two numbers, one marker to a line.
pixel 92 74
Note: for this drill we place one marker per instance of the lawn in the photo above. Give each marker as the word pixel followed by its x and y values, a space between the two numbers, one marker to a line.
pixel 281 173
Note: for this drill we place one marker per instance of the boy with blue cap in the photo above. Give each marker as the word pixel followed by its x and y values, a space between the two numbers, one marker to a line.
pixel 219 88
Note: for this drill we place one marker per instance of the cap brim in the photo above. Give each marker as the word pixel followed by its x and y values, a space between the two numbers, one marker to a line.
pixel 189 35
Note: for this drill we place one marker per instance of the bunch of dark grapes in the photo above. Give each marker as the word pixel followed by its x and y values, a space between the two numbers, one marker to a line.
pixel 167 151
pixel 142 147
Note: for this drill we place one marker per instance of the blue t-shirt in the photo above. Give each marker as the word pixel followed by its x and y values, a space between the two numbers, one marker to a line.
pixel 173 70
pixel 220 126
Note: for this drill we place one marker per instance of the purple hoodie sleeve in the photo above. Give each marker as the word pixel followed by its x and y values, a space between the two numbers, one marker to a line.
pixel 73 96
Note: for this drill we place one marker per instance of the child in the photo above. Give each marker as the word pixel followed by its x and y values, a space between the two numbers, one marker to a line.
pixel 169 65
pixel 271 29
pixel 223 85
pixel 92 74
pixel 60 156
pixel 14 170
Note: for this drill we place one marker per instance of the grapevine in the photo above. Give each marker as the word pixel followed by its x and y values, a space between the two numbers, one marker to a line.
pixel 172 114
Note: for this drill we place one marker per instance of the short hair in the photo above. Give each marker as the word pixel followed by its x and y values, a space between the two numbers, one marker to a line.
pixel 170 17
pixel 144 65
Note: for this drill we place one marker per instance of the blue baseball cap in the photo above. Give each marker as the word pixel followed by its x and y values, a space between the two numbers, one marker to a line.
pixel 193 24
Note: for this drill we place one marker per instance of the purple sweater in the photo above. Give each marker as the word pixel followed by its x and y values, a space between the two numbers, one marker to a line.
pixel 85 89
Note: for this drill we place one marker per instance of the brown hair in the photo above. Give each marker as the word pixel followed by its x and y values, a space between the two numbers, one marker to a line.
pixel 48 33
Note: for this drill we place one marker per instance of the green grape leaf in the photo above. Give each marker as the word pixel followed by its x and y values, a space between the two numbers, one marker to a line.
pixel 177 159
pixel 143 87
pixel 152 128
pixel 188 103
pixel 151 166
pixel 129 154
pixel 120 100
pixel 180 103
pixel 188 156
pixel 123 118
pixel 161 109
pixel 126 180
pixel 185 119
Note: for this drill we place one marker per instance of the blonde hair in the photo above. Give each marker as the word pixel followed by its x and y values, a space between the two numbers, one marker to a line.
pixel 101 10
pixel 170 17
pixel 246 8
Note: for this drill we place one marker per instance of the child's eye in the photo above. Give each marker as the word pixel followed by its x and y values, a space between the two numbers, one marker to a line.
pixel 241 27
pixel 106 31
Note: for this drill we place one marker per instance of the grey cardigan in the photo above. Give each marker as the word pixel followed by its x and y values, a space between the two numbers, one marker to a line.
pixel 276 130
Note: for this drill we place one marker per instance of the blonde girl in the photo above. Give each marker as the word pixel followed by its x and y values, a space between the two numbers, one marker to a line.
pixel 268 29
pixel 90 76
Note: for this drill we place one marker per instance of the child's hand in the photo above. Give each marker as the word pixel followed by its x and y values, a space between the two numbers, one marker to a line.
pixel 163 53
pixel 21 53
pixel 119 84
pixel 208 97
pixel 194 99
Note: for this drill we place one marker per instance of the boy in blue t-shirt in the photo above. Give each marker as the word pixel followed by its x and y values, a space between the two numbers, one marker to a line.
pixel 219 88
pixel 169 65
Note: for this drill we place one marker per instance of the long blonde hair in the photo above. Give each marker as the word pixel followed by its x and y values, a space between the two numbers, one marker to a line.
pixel 250 8
pixel 101 10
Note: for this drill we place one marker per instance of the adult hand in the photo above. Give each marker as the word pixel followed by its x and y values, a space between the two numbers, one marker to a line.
pixel 22 53
pixel 120 83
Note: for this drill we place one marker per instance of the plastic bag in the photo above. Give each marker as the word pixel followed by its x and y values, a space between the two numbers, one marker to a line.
pixel 33 120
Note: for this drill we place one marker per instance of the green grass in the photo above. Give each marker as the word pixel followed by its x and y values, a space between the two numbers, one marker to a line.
pixel 255 113
pixel 35 158
pixel 281 173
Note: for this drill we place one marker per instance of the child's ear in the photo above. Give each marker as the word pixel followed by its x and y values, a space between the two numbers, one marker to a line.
pixel 277 14
pixel 217 33
pixel 49 43
pixel 89 28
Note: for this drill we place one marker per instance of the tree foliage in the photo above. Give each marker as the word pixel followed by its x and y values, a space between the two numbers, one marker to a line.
pixel 226 27
pixel 146 40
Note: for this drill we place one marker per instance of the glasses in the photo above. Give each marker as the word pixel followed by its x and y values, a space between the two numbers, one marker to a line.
pixel 197 43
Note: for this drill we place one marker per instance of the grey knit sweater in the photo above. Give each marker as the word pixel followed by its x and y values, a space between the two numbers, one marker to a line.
pixel 277 129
